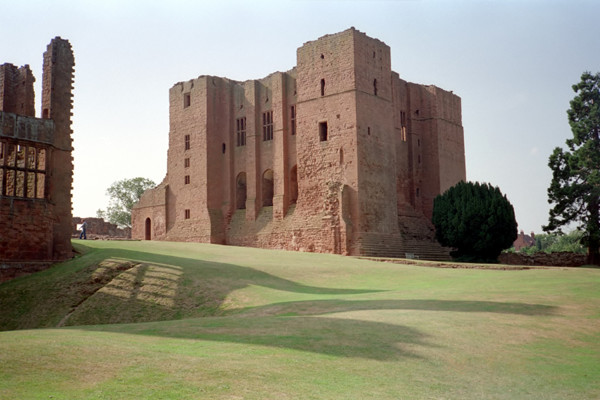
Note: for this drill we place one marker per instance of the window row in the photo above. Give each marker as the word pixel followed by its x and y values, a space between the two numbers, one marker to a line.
pixel 267 129
pixel 22 170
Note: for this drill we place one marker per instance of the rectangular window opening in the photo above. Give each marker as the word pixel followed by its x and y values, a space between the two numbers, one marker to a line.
pixel 323 131
pixel 240 129
pixel 293 119
pixel 187 100
pixel 187 213
pixel 267 126
pixel 186 162
pixel 403 126
pixel 187 180
pixel 22 170
pixel 187 142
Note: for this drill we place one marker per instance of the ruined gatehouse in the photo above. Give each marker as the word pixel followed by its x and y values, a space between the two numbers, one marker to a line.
pixel 337 155
pixel 36 166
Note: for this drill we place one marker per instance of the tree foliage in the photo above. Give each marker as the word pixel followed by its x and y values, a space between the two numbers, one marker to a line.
pixel 574 192
pixel 553 242
pixel 123 196
pixel 476 219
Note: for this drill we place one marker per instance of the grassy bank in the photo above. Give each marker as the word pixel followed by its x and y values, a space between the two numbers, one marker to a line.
pixel 181 320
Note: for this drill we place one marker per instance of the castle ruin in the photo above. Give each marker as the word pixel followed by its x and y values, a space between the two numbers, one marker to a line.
pixel 36 166
pixel 337 155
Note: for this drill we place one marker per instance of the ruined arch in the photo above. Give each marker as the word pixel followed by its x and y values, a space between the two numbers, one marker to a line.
pixel 267 188
pixel 240 191
pixel 294 185
pixel 148 229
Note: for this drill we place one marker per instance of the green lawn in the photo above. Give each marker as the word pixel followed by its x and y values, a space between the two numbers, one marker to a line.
pixel 159 320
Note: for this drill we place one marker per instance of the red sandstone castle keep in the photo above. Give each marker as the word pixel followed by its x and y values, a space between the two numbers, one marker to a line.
pixel 36 167
pixel 336 155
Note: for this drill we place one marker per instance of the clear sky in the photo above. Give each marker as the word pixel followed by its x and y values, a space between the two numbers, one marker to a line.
pixel 511 62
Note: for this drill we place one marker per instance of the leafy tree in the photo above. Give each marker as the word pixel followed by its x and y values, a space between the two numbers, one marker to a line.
pixel 554 242
pixel 575 188
pixel 123 196
pixel 476 219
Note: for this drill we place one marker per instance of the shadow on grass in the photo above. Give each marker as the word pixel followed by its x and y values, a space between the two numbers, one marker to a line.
pixel 320 307
pixel 166 287
pixel 330 336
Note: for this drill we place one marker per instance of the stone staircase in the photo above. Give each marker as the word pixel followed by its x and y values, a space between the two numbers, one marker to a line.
pixel 415 241
pixel 381 245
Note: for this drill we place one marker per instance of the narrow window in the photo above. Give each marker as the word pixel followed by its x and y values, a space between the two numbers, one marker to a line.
pixel 186 162
pixel 187 100
pixel 322 87
pixel 293 119
pixel 187 142
pixel 294 185
pixel 403 126
pixel 187 213
pixel 418 192
pixel 375 86
pixel 240 131
pixel 223 148
pixel 267 125
pixel 187 180
pixel 323 131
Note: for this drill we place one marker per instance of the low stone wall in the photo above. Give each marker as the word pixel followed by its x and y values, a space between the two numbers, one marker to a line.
pixel 561 259
pixel 11 270
pixel 97 228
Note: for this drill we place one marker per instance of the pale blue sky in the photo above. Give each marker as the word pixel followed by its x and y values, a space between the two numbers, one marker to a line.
pixel 511 62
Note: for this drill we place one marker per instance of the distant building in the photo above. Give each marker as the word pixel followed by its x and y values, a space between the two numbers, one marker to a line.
pixel 337 155
pixel 524 240
pixel 36 166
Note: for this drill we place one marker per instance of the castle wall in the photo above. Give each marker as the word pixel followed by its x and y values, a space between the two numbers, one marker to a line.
pixel 16 90
pixel 350 149
pixel 451 145
pixel 375 138
pixel 149 222
pixel 36 166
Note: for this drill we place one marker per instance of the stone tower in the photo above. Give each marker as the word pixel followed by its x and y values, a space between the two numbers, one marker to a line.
pixel 36 166
pixel 57 105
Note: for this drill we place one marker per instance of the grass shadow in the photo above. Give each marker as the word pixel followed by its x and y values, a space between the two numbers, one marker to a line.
pixel 177 289
pixel 330 336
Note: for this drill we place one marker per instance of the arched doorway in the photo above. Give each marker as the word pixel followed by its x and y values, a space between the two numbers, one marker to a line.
pixel 294 185
pixel 148 235
pixel 240 191
pixel 267 188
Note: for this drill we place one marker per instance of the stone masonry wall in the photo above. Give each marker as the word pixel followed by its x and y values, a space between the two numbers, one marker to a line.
pixel 97 228
pixel 26 224
pixel 16 90
pixel 334 151
pixel 36 167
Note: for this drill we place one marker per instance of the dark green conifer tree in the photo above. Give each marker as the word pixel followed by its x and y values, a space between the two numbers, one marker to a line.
pixel 476 219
